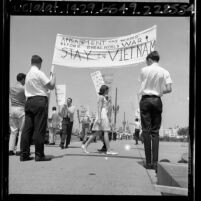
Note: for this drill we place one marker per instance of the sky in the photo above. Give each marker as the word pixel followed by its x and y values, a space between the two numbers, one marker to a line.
pixel 36 35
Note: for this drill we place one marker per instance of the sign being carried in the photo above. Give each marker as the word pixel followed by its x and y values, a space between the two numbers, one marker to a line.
pixel 81 52
pixel 60 94
pixel 83 112
pixel 97 80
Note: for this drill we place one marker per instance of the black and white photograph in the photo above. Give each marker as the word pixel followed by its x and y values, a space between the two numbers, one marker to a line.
pixel 100 105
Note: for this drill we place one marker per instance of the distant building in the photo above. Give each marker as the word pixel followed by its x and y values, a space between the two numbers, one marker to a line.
pixel 169 132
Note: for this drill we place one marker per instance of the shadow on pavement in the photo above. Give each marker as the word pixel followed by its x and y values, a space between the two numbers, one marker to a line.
pixel 53 157
pixel 142 163
pixel 73 146
pixel 138 148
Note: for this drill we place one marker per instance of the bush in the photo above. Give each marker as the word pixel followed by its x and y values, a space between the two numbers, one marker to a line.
pixel 183 131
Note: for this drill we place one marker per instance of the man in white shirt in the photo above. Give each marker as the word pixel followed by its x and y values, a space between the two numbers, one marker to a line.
pixel 37 85
pixel 67 113
pixel 85 121
pixel 54 125
pixel 155 81
pixel 16 113
pixel 137 130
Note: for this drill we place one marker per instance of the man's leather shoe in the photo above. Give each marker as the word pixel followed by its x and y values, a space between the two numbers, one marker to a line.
pixel 102 150
pixel 148 166
pixel 155 167
pixel 11 153
pixel 17 153
pixel 44 158
pixel 26 159
pixel 62 146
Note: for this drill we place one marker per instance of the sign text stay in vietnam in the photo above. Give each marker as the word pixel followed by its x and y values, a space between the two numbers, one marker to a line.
pixel 83 52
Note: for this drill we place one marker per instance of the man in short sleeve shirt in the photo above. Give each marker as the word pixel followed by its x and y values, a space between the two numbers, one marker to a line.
pixel 54 125
pixel 67 113
pixel 37 85
pixel 155 81
pixel 16 113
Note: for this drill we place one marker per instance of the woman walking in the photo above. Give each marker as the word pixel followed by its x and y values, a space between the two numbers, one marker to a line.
pixel 102 122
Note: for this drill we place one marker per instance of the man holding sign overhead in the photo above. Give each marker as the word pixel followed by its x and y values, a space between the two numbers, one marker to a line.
pixel 37 85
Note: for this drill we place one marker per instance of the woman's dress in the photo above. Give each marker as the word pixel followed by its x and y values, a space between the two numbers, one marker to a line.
pixel 105 124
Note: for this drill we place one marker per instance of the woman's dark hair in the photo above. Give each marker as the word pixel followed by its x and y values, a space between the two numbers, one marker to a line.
pixel 103 89
pixel 20 77
pixel 36 59
pixel 154 56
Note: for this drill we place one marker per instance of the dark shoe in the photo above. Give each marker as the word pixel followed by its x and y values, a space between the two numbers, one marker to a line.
pixel 11 153
pixel 44 158
pixel 28 158
pixel 102 150
pixel 17 153
pixel 148 166
pixel 155 167
pixel 62 146
pixel 66 147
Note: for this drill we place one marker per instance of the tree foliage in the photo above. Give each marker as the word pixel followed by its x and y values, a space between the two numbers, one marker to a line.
pixel 183 131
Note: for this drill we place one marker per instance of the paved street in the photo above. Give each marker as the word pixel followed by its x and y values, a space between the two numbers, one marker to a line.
pixel 73 172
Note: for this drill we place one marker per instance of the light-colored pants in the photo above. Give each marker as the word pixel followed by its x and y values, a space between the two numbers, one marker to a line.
pixel 52 135
pixel 17 117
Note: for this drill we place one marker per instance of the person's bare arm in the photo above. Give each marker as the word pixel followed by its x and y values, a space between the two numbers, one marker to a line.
pixel 167 89
pixel 50 85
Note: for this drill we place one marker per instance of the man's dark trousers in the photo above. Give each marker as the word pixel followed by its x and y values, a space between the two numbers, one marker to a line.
pixel 36 113
pixel 137 135
pixel 67 126
pixel 150 111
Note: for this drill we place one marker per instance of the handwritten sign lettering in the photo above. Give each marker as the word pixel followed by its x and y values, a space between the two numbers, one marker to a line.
pixel 97 80
pixel 60 94
pixel 80 52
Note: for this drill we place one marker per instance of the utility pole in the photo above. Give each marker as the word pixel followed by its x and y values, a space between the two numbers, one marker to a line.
pixel 115 113
pixel 124 122
pixel 115 109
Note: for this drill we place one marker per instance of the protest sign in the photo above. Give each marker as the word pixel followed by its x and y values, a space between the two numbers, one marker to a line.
pixel 83 112
pixel 82 52
pixel 60 91
pixel 97 80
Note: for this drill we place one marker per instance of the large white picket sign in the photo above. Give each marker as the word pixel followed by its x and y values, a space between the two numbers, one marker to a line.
pixel 97 80
pixel 60 94
pixel 82 52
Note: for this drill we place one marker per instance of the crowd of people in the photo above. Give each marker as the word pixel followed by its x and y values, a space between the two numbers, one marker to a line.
pixel 29 113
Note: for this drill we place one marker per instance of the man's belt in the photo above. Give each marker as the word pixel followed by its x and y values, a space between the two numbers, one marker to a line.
pixel 150 96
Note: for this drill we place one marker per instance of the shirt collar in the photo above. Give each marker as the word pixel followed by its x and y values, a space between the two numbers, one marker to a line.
pixel 19 83
pixel 154 64
pixel 35 67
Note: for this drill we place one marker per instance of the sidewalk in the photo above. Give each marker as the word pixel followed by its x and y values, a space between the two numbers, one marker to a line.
pixel 73 172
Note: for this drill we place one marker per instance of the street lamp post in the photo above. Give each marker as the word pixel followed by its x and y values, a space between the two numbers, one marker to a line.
pixel 115 109
pixel 124 123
